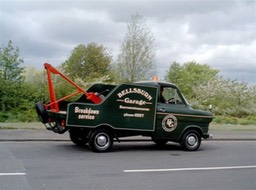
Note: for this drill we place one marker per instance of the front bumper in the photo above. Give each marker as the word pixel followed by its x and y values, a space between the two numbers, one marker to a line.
pixel 208 136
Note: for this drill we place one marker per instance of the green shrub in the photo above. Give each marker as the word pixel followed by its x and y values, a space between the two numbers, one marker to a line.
pixel 4 116
pixel 19 116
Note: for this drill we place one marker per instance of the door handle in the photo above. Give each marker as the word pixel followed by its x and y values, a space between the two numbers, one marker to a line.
pixel 162 109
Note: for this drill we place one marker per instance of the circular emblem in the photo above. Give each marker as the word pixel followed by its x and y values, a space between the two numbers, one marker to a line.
pixel 169 123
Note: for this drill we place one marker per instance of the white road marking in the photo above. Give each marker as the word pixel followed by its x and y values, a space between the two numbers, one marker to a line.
pixel 190 169
pixel 12 174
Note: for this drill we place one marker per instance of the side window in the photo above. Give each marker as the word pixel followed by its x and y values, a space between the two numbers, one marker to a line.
pixel 169 95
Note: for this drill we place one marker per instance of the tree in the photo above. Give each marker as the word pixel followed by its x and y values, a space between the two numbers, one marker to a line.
pixel 136 59
pixel 10 61
pixel 36 82
pixel 228 97
pixel 190 75
pixel 203 87
pixel 10 76
pixel 88 62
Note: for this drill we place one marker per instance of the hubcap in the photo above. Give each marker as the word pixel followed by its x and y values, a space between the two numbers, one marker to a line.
pixel 192 140
pixel 101 140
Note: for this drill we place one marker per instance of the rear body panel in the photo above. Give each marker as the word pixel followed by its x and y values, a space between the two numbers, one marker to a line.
pixel 127 107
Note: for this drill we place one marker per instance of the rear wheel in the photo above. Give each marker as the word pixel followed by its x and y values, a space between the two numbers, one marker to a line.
pixel 78 137
pixel 101 140
pixel 191 140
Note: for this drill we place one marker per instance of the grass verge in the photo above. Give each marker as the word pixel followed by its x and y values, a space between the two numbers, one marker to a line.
pixel 20 125
pixel 231 127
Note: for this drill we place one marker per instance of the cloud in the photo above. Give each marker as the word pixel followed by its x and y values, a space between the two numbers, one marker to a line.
pixel 219 33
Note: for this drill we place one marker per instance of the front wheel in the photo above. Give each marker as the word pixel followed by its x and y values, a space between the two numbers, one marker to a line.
pixel 191 140
pixel 101 140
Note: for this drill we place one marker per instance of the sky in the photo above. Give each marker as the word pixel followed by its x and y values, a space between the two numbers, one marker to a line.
pixel 220 33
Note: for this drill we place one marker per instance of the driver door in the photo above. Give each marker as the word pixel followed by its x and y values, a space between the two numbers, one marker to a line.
pixel 170 107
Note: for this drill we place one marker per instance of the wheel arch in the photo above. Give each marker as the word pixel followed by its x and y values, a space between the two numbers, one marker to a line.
pixel 191 127
pixel 103 126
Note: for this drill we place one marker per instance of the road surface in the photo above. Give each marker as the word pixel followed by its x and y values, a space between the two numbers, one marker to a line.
pixel 30 165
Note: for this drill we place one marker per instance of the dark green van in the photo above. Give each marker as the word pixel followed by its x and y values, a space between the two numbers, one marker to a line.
pixel 151 108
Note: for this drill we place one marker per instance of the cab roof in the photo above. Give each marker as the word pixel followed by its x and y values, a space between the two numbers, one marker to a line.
pixel 156 83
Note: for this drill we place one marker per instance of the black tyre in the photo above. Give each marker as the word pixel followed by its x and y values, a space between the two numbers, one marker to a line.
pixel 101 140
pixel 77 137
pixel 191 140
pixel 42 113
pixel 160 142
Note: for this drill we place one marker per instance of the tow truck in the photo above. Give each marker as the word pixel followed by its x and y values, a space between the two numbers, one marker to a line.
pixel 105 112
